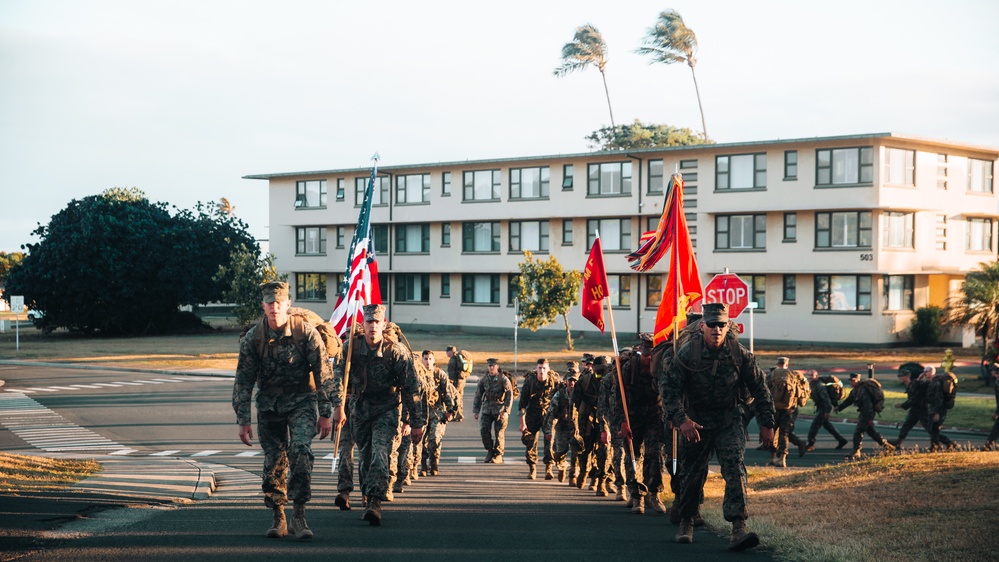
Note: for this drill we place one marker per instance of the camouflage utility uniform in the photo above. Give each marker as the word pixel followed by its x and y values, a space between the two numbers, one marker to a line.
pixel 585 396
pixel 493 400
pixel 535 396
pixel 823 407
pixel 560 415
pixel 441 405
pixel 615 446
pixel 645 412
pixel 862 397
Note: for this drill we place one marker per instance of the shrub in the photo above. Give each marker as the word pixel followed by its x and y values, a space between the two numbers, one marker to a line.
pixel 927 325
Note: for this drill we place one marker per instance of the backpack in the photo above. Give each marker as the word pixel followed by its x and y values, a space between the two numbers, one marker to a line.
pixel 785 389
pixel 513 382
pixel 466 365
pixel 297 318
pixel 948 385
pixel 834 387
pixel 873 387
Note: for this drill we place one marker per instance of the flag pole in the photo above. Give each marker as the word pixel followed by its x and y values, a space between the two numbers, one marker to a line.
pixel 676 321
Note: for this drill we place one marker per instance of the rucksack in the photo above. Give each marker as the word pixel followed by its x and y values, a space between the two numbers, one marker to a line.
pixel 785 389
pixel 834 387
pixel 948 385
pixel 466 365
pixel 873 387
pixel 513 382
pixel 296 318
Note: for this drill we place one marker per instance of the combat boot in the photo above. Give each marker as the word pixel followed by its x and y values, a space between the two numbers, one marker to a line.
pixel 622 494
pixel 803 448
pixel 609 484
pixel 742 538
pixel 637 505
pixel 489 457
pixel 782 461
pixel 897 443
pixel 531 472
pixel 561 475
pixel 842 443
pixel 398 488
pixel 990 445
pixel 888 447
pixel 280 526
pixel 389 496
pixel 810 446
pixel 548 473
pixel 685 534
pixel 580 480
pixel 854 456
pixel 698 519
pixel 652 501
pixel 773 460
pixel 298 524
pixel 498 459
pixel 373 514
pixel 601 487
pixel 593 483
pixel 342 501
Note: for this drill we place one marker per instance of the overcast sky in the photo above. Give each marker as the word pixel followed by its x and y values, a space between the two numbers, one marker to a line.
pixel 182 98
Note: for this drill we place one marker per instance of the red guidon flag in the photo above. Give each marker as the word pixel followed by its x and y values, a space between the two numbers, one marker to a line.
pixel 683 284
pixel 595 286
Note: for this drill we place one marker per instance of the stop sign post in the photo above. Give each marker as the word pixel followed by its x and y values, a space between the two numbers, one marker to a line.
pixel 728 288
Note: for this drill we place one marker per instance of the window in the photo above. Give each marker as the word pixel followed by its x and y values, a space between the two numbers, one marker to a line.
pixel 844 166
pixel 620 290
pixel 942 169
pixel 512 288
pixel 979 235
pixel 412 238
pixel 412 287
pixel 609 178
pixel 843 229
pixel 656 184
pixel 790 227
pixel 341 189
pixel 790 289
pixel 615 234
pixel 843 292
pixel 310 194
pixel 445 235
pixel 900 167
pixel 757 290
pixel 310 286
pixel 529 235
pixel 529 183
pixel 341 232
pixel 446 184
pixel 742 171
pixel 380 236
pixel 414 188
pixel 445 286
pixel 790 164
pixel 567 232
pixel 898 292
pixel 979 176
pixel 480 237
pixel 689 187
pixel 482 185
pixel 480 289
pixel 311 240
pixel 941 232
pixel 898 229
pixel 687 164
pixel 566 177
pixel 379 195
pixel 740 232
pixel 654 292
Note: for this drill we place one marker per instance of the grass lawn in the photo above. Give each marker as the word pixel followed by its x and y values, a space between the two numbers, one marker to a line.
pixel 20 473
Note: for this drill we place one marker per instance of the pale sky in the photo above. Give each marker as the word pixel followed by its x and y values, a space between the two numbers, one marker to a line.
pixel 182 98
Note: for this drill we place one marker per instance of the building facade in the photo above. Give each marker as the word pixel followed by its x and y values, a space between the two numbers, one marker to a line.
pixel 840 239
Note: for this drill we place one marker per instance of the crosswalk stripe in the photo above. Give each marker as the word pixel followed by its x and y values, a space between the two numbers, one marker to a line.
pixel 165 453
pixel 248 454
pixel 123 452
pixel 206 453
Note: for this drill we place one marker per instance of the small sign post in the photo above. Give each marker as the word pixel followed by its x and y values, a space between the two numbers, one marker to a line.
pixel 16 306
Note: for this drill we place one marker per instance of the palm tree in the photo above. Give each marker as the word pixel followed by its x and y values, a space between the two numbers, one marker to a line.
pixel 587 47
pixel 670 41
pixel 978 305
pixel 226 207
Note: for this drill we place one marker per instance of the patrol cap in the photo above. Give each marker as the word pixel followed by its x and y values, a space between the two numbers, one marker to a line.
pixel 374 312
pixel 571 366
pixel 572 376
pixel 645 337
pixel 854 376
pixel 275 291
pixel 450 348
pixel 492 361
pixel 715 312
pixel 602 362
pixel 587 358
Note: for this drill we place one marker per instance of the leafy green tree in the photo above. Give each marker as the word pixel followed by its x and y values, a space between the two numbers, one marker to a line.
pixel 546 291
pixel 7 261
pixel 245 273
pixel 115 263
pixel 586 48
pixel 977 305
pixel 670 41
pixel 643 135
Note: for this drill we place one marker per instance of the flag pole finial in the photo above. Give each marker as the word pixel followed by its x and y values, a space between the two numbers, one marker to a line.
pixel 376 157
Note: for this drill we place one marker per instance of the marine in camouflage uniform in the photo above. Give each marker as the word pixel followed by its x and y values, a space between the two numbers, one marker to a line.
pixel 560 416
pixel 441 406
pixel 457 375
pixel 383 379
pixel 862 398
pixel 585 399
pixel 615 481
pixel 293 403
pixel 990 442
pixel 701 391
pixel 936 409
pixel 915 405
pixel 493 400
pixel 823 407
pixel 535 395
pixel 785 418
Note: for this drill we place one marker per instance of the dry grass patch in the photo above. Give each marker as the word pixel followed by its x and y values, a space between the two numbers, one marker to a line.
pixel 939 507
pixel 20 473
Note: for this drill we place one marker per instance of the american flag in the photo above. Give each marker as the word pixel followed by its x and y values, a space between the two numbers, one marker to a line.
pixel 360 280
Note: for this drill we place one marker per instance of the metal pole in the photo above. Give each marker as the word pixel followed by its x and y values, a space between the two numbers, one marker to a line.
pixel 751 328
pixel 516 320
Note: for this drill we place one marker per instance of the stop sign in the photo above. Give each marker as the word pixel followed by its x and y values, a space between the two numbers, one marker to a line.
pixel 728 288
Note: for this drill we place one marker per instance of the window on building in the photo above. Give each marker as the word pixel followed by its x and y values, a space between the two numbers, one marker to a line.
pixel 740 171
pixel 482 185
pixel 446 184
pixel 529 235
pixel 898 292
pixel 480 237
pixel 790 289
pixel 941 232
pixel 609 178
pixel 445 286
pixel 979 235
pixel 790 227
pixel 529 183
pixel 311 240
pixel 566 177
pixel 380 236
pixel 615 234
pixel 979 176
pixel 740 232
pixel 379 195
pixel 843 292
pixel 445 235
pixel 412 238
pixel 900 167
pixel 341 234
pixel 843 229
pixel 790 164
pixel 898 228
pixel 689 186
pixel 844 166
pixel 480 288
pixel 942 171
pixel 310 286
pixel 412 188
pixel 341 189
pixel 656 183
pixel 512 288
pixel 567 232
pixel 757 290
pixel 310 194
pixel 654 291
pixel 620 290
pixel 412 287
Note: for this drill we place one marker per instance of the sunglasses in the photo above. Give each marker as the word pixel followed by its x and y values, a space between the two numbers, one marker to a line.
pixel 714 325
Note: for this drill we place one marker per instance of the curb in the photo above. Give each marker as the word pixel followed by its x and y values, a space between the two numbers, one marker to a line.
pixel 190 373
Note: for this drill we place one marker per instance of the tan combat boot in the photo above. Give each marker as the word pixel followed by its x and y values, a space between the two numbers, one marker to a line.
pixel 637 505
pixel 298 524
pixel 593 483
pixel 532 473
pixel 280 526
pixel 561 474
pixel 622 494
pixel 782 461
pixel 373 514
pixel 653 502
pixel 685 534
pixel 742 538
pixel 855 455
pixel 549 475
pixel 342 501
pixel 601 487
